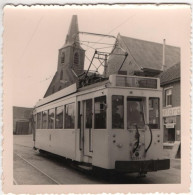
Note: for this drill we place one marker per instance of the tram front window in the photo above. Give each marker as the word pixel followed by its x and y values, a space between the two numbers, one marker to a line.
pixel 100 112
pixel 154 113
pixel 135 114
pixel 117 112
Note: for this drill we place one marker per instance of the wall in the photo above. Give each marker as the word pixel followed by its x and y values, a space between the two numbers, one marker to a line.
pixel 175 103
pixel 66 68
pixel 21 114
pixel 175 93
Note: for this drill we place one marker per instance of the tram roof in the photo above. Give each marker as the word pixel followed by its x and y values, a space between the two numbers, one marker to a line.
pixel 113 81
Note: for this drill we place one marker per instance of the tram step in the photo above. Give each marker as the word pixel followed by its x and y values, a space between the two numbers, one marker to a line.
pixel 88 168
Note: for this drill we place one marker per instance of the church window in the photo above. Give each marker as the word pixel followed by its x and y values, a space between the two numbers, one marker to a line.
pixel 76 58
pixel 61 75
pixel 59 88
pixel 53 89
pixel 63 58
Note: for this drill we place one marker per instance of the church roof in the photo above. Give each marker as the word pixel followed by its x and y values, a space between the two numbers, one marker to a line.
pixel 150 54
pixel 146 55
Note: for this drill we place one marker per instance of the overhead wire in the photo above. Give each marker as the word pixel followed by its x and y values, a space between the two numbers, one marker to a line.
pixel 117 26
pixel 98 42
pixel 32 36
pixel 90 61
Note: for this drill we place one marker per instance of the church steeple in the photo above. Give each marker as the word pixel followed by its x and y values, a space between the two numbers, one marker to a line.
pixel 73 35
pixel 70 60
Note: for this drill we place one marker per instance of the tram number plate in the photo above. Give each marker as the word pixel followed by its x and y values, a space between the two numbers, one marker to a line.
pixel 136 158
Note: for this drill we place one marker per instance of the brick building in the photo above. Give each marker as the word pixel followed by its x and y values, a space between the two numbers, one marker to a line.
pixel 70 61
pixel 22 120
pixel 144 57
pixel 170 82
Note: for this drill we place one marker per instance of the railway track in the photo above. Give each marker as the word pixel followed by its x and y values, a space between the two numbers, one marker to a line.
pixel 37 169
pixel 24 146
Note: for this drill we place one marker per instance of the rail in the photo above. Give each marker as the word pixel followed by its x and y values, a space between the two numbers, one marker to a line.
pixel 53 180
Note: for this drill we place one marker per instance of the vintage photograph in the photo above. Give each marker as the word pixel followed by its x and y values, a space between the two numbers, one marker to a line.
pixel 95 95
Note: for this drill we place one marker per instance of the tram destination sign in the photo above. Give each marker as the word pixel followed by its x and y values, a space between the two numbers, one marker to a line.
pixel 137 82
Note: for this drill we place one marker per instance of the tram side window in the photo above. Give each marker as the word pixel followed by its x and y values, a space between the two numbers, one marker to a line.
pixel 51 116
pixel 39 120
pixel 117 112
pixel 45 119
pixel 100 112
pixel 154 113
pixel 59 117
pixel 79 116
pixel 69 116
pixel 135 114
pixel 89 113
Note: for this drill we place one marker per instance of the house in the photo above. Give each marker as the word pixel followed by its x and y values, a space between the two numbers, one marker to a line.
pixel 170 82
pixel 22 120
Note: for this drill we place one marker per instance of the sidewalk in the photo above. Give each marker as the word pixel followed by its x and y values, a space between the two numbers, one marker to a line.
pixel 175 163
pixel 26 140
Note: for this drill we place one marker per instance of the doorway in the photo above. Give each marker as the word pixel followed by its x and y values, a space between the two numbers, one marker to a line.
pixel 87 126
pixel 171 134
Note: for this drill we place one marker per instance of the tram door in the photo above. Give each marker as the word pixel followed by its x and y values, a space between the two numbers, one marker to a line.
pixel 87 126
pixel 136 125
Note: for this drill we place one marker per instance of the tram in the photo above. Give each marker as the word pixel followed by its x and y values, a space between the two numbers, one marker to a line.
pixel 114 124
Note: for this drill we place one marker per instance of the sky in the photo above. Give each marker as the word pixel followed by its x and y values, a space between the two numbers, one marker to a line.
pixel 33 35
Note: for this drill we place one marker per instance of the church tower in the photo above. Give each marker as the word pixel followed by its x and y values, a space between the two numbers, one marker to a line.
pixel 70 60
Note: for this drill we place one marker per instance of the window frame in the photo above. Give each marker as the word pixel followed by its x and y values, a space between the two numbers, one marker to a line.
pixel 53 120
pixel 123 122
pixel 86 124
pixel 64 127
pixel 76 58
pixel 46 119
pixel 159 112
pixel 53 89
pixel 168 104
pixel 105 112
pixel 62 58
pixel 61 75
pixel 142 109
pixel 62 117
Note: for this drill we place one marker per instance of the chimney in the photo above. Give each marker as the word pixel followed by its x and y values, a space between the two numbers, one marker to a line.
pixel 164 57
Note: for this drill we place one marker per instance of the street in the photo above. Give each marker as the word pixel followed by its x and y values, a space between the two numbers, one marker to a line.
pixel 32 168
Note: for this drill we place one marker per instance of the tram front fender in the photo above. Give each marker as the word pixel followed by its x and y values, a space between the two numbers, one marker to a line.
pixel 142 166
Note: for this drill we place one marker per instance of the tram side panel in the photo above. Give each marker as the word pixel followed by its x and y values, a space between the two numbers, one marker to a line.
pixel 63 143
pixel 101 153
pixel 60 141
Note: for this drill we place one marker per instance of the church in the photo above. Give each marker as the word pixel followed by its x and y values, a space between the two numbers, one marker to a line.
pixel 144 58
